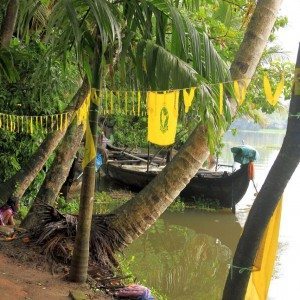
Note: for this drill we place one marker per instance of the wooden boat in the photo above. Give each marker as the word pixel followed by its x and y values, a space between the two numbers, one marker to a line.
pixel 226 187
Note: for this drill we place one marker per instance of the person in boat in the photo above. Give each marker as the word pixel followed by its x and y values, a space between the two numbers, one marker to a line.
pixel 8 210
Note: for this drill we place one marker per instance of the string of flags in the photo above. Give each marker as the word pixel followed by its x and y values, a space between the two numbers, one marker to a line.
pixel 161 108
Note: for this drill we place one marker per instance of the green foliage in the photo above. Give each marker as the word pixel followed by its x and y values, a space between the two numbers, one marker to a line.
pixel 104 203
pixel 130 131
pixel 67 207
pixel 177 206
pixel 33 87
pixel 23 210
pixel 207 204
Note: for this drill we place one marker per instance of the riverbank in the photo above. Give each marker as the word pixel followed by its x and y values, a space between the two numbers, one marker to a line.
pixel 25 274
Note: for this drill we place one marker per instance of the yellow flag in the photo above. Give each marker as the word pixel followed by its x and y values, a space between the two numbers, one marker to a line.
pixel 239 92
pixel 273 98
pixel 162 117
pixel 188 98
pixel 132 98
pixel 261 275
pixel 90 149
pixel 221 99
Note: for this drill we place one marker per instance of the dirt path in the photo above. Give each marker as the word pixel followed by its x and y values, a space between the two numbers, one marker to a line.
pixel 21 282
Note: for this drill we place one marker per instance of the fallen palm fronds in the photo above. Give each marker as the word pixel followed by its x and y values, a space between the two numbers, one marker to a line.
pixel 56 235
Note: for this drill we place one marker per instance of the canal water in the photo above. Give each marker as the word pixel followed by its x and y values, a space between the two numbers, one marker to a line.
pixel 186 255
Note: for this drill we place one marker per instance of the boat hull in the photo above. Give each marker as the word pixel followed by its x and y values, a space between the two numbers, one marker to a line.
pixel 226 188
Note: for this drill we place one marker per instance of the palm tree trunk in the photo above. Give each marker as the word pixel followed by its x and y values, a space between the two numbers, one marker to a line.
pixel 254 42
pixel 56 175
pixel 255 39
pixel 80 258
pixel 18 184
pixel 267 199
pixel 8 23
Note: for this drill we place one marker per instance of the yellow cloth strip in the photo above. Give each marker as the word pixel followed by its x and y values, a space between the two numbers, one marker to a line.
pixel 273 98
pixel 118 102
pixel 221 99
pixel 90 146
pixel 188 96
pixel 66 122
pixel 260 277
pixel 239 92
pixel 31 125
pixel 132 98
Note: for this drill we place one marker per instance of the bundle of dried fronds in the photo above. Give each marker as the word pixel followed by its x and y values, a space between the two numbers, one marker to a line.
pixel 56 236
pixel 104 242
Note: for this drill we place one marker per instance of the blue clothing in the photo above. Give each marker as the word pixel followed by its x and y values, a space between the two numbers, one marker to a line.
pixel 99 161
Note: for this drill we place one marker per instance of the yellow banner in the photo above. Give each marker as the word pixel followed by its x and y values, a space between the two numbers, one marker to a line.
pixel 162 117
pixel 273 98
pixel 261 275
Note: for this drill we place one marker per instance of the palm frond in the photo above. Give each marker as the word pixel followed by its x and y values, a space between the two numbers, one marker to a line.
pixel 7 65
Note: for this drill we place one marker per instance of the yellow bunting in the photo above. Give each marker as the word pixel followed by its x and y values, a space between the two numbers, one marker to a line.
pixel 46 124
pixel 162 117
pixel 239 91
pixel 261 275
pixel 52 122
pixel 57 122
pixel 118 101
pixel 188 96
pixel 66 122
pixel 221 98
pixel 273 98
pixel 61 122
pixel 10 123
pixel 13 123
pixel 132 98
pixel 139 103
pixel 31 125
pixel 36 121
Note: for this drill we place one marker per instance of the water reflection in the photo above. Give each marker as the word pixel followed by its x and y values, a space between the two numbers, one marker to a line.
pixel 181 262
pixel 222 226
